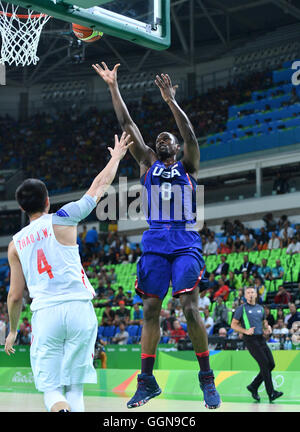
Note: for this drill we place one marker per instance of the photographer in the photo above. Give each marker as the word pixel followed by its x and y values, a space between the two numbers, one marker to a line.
pixel 100 353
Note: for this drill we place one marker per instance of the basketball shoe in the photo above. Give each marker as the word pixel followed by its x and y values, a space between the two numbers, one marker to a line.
pixel 212 398
pixel 147 388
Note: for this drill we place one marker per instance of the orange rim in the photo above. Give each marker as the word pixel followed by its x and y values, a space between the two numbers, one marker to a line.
pixel 9 14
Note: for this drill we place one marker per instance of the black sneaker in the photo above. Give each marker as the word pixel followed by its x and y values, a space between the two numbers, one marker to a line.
pixel 275 395
pixel 253 392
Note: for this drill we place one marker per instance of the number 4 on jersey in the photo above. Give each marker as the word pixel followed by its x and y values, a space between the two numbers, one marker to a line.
pixel 42 264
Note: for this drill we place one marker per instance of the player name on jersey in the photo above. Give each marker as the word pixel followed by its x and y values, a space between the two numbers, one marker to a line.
pixel 53 271
pixel 32 238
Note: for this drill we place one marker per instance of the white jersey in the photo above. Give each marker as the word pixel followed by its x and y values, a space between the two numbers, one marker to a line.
pixel 53 272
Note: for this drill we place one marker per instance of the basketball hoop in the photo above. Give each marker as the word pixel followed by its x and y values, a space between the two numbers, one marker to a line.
pixel 20 34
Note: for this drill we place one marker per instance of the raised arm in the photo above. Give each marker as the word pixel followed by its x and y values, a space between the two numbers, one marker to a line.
pixel 107 175
pixel 191 152
pixel 66 219
pixel 142 153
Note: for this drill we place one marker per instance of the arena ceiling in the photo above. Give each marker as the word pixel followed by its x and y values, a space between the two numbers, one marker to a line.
pixel 202 30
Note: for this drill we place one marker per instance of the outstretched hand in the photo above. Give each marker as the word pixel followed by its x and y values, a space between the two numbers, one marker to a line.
pixel 109 76
pixel 167 90
pixel 121 146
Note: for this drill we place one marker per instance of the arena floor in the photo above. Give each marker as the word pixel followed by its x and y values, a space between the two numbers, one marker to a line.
pixel 21 402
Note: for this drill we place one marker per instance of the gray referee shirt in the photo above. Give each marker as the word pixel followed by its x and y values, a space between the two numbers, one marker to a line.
pixel 255 314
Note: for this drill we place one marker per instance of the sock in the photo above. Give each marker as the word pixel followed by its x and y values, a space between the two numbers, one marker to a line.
pixel 203 360
pixel 148 363
pixel 74 396
pixel 54 396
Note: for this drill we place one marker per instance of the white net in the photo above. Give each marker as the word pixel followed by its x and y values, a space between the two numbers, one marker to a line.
pixel 20 35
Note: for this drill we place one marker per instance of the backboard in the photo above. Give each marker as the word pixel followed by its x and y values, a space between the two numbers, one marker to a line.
pixel 144 22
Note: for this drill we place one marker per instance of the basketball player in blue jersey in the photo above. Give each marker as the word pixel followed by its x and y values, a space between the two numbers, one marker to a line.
pixel 170 251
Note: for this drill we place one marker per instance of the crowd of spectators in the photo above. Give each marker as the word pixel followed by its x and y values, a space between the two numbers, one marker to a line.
pixel 67 149
pixel 275 234
pixel 217 321
pixel 100 249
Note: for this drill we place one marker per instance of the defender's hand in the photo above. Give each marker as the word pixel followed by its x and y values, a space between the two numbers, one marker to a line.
pixel 109 76
pixel 164 84
pixel 121 146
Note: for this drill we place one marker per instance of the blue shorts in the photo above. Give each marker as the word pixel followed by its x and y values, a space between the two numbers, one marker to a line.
pixel 185 269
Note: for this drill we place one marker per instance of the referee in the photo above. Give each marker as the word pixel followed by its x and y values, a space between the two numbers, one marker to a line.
pixel 249 319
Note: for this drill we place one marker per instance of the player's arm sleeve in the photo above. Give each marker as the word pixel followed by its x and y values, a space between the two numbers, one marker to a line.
pixel 74 212
pixel 238 313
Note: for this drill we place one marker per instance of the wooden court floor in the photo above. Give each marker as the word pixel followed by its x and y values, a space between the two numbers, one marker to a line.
pixel 21 402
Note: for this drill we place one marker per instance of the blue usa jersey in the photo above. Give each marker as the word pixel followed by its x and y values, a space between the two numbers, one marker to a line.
pixel 169 203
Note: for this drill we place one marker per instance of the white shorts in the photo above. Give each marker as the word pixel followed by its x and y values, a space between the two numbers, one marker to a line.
pixel 62 346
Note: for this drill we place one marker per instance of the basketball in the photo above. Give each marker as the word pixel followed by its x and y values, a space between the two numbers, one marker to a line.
pixel 86 34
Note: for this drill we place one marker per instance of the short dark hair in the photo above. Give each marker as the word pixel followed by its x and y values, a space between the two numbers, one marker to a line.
pixel 31 195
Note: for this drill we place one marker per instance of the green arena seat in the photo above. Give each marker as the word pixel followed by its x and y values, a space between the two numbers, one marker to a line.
pixel 232 266
pixel 232 256
pixel 275 253
pixel 229 317
pixel 253 256
pixel 295 275
pixel 283 251
pixel 212 307
pixel 278 283
pixel 232 295
pixel 288 275
pixel 229 304
pixel 296 259
pixel 271 262
pixel 285 260
pixel 166 300
pixel 267 285
pixel 264 254
pixel 239 278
